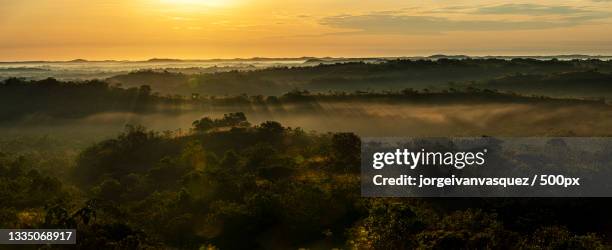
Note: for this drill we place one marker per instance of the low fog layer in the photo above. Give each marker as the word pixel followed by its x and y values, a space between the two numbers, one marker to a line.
pixel 365 119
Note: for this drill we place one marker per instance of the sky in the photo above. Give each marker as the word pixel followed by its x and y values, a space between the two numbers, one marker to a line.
pixel 203 29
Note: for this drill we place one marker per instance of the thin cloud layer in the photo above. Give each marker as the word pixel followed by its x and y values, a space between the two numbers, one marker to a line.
pixel 403 24
pixel 538 17
pixel 68 29
pixel 531 9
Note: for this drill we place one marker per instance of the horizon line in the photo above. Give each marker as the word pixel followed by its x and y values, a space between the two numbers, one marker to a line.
pixel 432 56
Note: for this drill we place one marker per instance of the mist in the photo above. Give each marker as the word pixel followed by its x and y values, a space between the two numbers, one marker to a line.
pixel 362 118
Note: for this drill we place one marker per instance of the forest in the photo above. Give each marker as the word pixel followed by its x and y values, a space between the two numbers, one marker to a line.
pixel 231 184
pixel 80 99
pixel 269 158
pixel 386 75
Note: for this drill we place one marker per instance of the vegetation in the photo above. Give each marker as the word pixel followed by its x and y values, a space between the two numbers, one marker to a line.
pixel 352 76
pixel 232 185
pixel 568 84
pixel 32 99
pixel 52 98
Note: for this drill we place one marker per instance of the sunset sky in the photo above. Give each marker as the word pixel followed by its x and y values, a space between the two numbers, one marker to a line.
pixel 142 29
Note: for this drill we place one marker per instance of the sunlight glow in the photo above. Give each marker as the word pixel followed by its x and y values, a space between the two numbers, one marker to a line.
pixel 193 3
pixel 142 29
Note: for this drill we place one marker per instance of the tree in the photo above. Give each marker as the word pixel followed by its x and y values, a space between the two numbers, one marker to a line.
pixel 346 151
pixel 387 226
pixel 203 125
pixel 237 119
pixel 271 131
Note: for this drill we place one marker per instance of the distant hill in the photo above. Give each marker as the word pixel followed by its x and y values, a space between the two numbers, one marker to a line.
pixel 52 98
pixel 164 60
pixel 78 61
pixel 163 82
pixel 22 69
pixel 568 84
pixel 352 76
pixel 449 56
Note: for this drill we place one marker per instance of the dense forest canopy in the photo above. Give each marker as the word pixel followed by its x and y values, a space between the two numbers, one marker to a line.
pixel 590 83
pixel 231 184
pixel 238 163
pixel 351 76
pixel 31 98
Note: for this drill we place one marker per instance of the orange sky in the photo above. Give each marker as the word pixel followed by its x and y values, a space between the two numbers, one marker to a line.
pixel 142 29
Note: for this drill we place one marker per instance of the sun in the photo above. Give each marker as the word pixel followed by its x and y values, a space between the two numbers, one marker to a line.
pixel 209 3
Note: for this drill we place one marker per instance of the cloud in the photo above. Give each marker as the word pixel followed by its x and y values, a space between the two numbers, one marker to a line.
pixel 531 9
pixel 520 9
pixel 399 23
